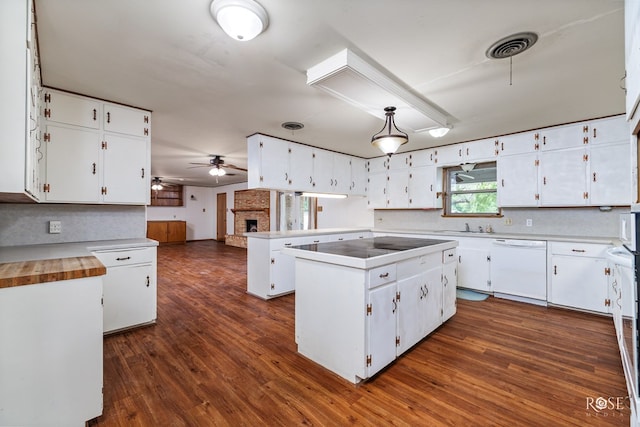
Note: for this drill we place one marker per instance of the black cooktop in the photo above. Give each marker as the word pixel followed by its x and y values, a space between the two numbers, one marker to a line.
pixel 371 247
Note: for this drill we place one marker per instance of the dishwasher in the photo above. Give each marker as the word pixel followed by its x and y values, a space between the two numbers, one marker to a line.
pixel 519 270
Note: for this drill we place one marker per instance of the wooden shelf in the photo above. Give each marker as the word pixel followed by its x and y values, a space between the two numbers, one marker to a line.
pixel 171 195
pixel 266 210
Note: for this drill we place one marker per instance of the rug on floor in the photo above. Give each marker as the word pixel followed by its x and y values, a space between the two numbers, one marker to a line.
pixel 471 295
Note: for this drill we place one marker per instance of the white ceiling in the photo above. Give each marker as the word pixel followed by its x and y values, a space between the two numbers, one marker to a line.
pixel 208 92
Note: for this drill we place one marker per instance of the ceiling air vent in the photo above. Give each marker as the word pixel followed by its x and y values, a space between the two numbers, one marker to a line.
pixel 512 45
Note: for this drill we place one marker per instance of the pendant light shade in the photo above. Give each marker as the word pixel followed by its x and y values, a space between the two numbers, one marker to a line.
pixel 390 138
pixel 241 19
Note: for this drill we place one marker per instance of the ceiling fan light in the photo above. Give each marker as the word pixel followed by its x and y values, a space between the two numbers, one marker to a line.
pixel 156 187
pixel 390 138
pixel 241 19
pixel 439 132
pixel 467 167
pixel 156 184
pixel 217 172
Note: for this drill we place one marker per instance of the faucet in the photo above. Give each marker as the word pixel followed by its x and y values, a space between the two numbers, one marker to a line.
pixel 466 226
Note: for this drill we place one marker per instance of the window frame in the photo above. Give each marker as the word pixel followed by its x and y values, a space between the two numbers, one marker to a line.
pixel 447 193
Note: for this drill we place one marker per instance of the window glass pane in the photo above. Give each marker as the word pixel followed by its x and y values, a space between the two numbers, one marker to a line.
pixel 472 192
pixel 296 212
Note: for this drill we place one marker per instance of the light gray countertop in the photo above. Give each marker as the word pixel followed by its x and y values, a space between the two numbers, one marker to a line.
pixel 519 236
pixel 67 250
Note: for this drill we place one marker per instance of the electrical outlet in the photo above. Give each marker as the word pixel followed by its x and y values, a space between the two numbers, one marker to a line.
pixel 508 221
pixel 55 227
pixel 529 222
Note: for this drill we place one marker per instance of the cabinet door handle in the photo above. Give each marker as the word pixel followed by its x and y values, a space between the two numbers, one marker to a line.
pixel 142 173
pixel 123 258
pixel 148 281
pixel 555 269
pixel 108 117
pixel 95 114
pixel 93 170
pixel 384 275
pixel 578 250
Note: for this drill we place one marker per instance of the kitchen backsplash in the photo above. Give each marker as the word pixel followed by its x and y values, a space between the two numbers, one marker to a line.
pixel 585 222
pixel 28 224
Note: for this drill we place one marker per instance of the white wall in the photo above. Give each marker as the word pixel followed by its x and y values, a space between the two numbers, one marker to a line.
pixel 199 211
pixel 349 212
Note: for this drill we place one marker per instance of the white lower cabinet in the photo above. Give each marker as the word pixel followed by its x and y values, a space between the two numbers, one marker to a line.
pixel 381 328
pixel 474 264
pixel 578 276
pixel 270 273
pixel 130 287
pixel 51 358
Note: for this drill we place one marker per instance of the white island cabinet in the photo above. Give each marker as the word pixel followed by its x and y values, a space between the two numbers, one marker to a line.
pixel 362 303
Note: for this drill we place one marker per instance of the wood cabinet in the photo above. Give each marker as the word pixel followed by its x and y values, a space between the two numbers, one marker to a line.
pixel 51 363
pixel 95 151
pixel 129 288
pixel 167 231
pixel 19 111
pixel 578 276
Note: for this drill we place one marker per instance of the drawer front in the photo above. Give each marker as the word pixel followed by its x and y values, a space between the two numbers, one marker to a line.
pixel 418 265
pixel 119 257
pixel 381 275
pixel 579 249
pixel 449 256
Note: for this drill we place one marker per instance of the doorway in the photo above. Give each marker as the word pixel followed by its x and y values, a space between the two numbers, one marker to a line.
pixel 221 216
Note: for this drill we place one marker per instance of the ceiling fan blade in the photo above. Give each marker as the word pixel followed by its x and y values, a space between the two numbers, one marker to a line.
pixel 199 166
pixel 227 165
pixel 465 175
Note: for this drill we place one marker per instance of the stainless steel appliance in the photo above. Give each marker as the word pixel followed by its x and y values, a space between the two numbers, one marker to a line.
pixel 627 320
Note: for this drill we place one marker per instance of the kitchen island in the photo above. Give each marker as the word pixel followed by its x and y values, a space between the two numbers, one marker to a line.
pixel 362 303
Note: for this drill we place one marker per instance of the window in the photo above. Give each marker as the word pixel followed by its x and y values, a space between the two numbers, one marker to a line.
pixel 296 212
pixel 473 192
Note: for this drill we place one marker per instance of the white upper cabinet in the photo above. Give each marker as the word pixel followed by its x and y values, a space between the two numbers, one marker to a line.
pixel 72 110
pixel 88 162
pixel 483 150
pixel 424 185
pixel 558 137
pixel 518 180
pixel 301 164
pixel 563 178
pixel 632 54
pixel 518 143
pixel 610 175
pixel 129 121
pixel 358 177
pixel 611 129
pixel 19 109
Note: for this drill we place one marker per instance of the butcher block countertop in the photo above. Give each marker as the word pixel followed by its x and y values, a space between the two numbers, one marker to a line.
pixel 49 270
pixel 27 265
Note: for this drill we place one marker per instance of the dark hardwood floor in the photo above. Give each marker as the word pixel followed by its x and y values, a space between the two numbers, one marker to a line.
pixel 220 357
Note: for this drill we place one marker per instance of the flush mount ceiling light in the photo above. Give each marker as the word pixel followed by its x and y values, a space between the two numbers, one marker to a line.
pixel 241 19
pixel 390 138
pixel 439 132
pixel 156 184
pixel 356 81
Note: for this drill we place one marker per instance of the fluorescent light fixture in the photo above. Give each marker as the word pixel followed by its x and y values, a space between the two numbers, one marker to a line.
pixel 439 132
pixel 352 79
pixel 325 195
pixel 241 19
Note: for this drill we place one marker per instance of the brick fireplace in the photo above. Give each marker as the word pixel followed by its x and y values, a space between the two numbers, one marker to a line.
pixel 250 213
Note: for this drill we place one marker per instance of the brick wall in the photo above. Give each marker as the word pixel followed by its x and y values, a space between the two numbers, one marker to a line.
pixel 249 204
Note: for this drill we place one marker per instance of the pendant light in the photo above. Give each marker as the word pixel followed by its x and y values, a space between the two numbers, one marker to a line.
pixel 390 138
pixel 241 19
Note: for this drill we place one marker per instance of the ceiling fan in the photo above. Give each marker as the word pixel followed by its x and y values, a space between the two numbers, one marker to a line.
pixel 459 177
pixel 216 164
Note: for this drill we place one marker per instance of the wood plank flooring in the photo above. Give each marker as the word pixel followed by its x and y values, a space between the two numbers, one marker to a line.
pixel 220 357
